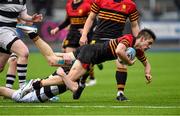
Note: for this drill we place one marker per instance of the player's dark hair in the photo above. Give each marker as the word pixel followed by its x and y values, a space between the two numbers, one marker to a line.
pixel 147 33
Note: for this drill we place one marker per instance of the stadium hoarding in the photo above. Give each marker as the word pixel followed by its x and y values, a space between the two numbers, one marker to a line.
pixel 163 29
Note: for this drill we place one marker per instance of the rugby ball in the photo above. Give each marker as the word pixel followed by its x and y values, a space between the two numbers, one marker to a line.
pixel 131 53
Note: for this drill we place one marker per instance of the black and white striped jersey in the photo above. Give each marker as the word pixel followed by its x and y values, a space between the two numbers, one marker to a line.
pixel 10 10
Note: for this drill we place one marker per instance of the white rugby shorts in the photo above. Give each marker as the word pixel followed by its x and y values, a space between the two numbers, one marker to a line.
pixel 30 97
pixel 7 35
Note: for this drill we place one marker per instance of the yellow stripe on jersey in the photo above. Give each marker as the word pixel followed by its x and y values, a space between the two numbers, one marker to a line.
pixel 112 19
pixel 142 59
pixel 125 42
pixel 112 16
pixel 134 16
pixel 95 8
pixel 78 20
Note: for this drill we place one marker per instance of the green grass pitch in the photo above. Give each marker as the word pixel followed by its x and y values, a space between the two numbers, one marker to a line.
pixel 161 97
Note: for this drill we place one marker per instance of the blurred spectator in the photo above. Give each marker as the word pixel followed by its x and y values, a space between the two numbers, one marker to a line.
pixel 177 3
pixel 43 6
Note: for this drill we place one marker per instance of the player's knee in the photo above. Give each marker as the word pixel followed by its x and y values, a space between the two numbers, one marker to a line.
pixel 26 54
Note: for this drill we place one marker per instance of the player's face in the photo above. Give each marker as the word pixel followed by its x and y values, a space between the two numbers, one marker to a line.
pixel 146 43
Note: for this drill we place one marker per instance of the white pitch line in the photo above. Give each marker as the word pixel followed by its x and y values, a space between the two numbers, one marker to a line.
pixel 114 107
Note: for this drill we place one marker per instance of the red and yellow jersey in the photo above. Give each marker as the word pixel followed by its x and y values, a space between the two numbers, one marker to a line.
pixel 112 15
pixel 128 40
pixel 78 13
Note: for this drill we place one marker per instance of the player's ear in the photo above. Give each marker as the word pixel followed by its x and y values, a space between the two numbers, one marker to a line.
pixel 142 39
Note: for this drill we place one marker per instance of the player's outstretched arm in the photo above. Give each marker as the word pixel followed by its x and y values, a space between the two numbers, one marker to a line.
pixel 147 71
pixel 52 58
pixel 46 50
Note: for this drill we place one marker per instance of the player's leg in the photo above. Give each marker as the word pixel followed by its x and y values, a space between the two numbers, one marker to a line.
pixel 15 95
pixel 11 72
pixel 75 73
pixel 50 92
pixel 54 79
pixel 43 94
pixel 82 85
pixel 6 92
pixel 70 44
pixel 121 78
pixel 22 52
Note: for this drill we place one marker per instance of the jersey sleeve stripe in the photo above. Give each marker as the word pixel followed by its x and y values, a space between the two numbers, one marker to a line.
pixel 125 42
pixel 142 59
pixel 134 16
pixel 95 8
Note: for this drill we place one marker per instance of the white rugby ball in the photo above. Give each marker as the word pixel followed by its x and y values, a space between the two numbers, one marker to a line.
pixel 131 53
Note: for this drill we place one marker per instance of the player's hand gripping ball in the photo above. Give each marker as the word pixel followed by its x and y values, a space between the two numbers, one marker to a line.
pixel 131 53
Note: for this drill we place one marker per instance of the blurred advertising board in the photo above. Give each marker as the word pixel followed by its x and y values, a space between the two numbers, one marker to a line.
pixel 163 30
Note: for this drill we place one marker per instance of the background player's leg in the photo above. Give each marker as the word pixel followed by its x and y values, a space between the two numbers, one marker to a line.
pixel 22 52
pixel 11 72
pixel 121 78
